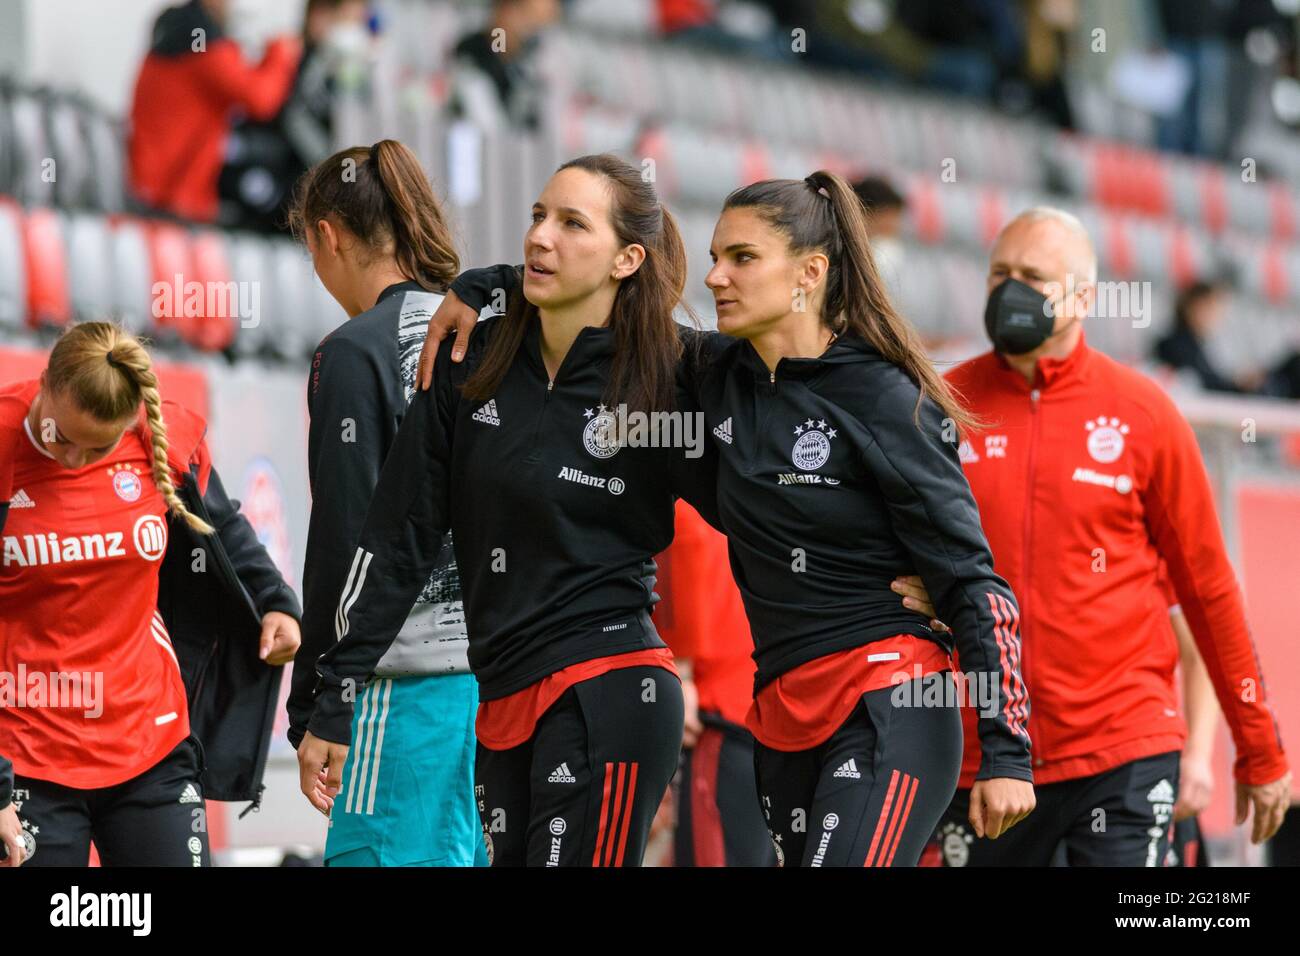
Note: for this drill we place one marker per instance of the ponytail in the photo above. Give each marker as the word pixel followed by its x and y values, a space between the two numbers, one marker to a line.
pixel 382 196
pixel 822 212
pixel 108 373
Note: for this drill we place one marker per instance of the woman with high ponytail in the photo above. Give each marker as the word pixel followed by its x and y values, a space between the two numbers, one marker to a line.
pixel 380 244
pixel 112 516
pixel 846 459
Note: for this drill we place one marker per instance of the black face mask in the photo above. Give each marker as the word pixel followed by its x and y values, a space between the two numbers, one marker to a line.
pixel 1018 318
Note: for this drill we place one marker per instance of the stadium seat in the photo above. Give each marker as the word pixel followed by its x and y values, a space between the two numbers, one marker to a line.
pixel 8 146
pixel 172 268
pixel 107 151
pixel 215 328
pixel 132 275
pixel 249 262
pixel 13 271
pixel 73 167
pixel 289 334
pixel 31 149
pixel 90 266
pixel 48 300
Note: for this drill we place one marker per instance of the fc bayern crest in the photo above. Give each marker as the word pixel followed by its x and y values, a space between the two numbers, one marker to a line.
pixel 1106 439
pixel 601 434
pixel 812 448
pixel 126 482
pixel 955 843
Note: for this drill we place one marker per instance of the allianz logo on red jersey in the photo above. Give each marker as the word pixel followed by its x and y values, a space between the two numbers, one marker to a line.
pixel 148 536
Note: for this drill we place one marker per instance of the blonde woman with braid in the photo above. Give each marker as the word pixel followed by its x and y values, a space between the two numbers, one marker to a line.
pixel 142 625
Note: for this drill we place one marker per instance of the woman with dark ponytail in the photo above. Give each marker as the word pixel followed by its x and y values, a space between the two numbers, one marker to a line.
pixel 843 471
pixel 395 774
pixel 142 609
pixel 838 473
pixel 529 453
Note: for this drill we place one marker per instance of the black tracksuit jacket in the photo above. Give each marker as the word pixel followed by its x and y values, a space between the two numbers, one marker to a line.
pixel 554 534
pixel 830 485
pixel 362 377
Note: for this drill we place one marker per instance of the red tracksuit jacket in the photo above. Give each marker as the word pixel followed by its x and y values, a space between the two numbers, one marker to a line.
pixel 183 103
pixel 1085 480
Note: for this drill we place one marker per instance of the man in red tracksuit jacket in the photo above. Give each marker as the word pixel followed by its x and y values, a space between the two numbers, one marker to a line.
pixel 189 85
pixel 1086 476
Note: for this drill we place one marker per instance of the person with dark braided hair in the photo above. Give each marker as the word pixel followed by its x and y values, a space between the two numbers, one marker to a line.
pixel 144 625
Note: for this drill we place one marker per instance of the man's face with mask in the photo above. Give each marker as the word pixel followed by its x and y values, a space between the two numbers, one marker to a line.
pixel 1051 259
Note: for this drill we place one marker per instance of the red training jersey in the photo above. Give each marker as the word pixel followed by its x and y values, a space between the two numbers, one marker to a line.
pixel 509 721
pixel 1085 480
pixel 90 687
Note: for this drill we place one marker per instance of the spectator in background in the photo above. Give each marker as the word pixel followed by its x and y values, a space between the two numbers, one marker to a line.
pixel 961 46
pixel 495 81
pixel 264 159
pixel 1048 26
pixel 1222 46
pixel 741 26
pixel 1197 314
pixel 189 87
pixel 884 206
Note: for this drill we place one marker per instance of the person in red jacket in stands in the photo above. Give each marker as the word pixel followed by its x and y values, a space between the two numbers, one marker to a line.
pixel 1087 476
pixel 190 84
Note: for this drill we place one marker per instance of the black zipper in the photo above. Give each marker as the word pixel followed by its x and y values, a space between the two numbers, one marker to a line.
pixel 534 453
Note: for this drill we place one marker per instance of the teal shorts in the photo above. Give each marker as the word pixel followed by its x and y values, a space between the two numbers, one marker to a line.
pixel 408 783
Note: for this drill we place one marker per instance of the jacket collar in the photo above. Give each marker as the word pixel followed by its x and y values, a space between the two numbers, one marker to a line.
pixel 1051 372
pixel 846 349
pixel 400 288
pixel 593 343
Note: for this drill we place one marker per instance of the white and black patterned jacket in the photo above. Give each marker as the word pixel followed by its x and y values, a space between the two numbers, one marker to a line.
pixel 362 377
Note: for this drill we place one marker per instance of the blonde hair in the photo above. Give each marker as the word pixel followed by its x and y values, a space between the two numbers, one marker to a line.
pixel 107 373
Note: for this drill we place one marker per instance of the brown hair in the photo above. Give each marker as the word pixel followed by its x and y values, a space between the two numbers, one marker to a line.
pixel 833 222
pixel 646 344
pixel 107 373
pixel 381 194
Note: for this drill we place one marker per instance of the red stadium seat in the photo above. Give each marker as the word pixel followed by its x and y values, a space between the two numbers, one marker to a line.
pixel 48 301
pixel 1282 203
pixel 1117 245
pixel 214 330
pixel 1127 178
pixel 925 209
pixel 172 266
